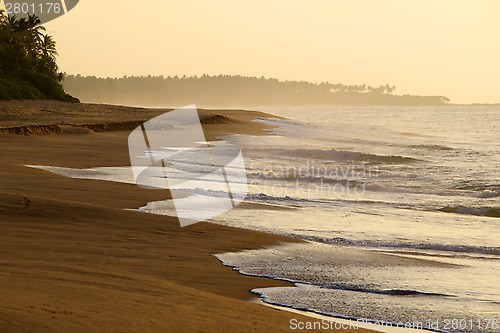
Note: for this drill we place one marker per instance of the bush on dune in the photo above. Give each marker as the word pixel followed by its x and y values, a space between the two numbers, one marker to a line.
pixel 43 86
pixel 13 88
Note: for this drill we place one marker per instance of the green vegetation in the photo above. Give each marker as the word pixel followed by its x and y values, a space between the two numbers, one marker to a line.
pixel 28 68
pixel 234 91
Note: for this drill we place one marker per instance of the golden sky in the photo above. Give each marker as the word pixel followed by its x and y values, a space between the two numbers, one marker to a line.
pixel 435 47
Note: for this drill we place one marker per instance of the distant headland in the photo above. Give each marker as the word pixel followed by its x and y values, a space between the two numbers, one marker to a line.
pixel 235 91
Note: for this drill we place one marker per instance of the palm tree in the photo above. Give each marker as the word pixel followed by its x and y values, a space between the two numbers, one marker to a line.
pixel 25 46
pixel 47 47
pixel 30 31
pixel 34 27
pixel 11 21
pixel 3 18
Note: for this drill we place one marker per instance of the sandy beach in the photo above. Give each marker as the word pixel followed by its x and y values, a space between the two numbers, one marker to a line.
pixel 249 166
pixel 73 260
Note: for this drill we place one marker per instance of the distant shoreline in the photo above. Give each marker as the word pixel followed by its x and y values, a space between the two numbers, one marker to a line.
pixel 236 90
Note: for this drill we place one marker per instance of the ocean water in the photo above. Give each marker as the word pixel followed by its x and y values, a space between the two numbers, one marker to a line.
pixel 400 208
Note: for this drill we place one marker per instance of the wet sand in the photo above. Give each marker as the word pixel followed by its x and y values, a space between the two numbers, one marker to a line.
pixel 73 260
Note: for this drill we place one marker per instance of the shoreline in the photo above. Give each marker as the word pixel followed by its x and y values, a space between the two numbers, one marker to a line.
pixel 376 325
pixel 74 260
pixel 338 321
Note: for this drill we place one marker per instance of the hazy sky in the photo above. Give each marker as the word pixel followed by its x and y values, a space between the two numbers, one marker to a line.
pixel 449 48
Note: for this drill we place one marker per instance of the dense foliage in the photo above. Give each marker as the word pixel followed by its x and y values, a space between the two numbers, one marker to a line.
pixel 233 91
pixel 28 66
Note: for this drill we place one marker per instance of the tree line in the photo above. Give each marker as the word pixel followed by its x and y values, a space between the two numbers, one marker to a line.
pixel 28 69
pixel 233 91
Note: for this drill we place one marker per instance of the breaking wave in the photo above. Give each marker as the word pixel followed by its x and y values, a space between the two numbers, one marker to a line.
pixel 343 155
pixel 478 211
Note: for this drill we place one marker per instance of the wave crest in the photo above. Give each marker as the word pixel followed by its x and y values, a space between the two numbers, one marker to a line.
pixel 478 211
pixel 345 155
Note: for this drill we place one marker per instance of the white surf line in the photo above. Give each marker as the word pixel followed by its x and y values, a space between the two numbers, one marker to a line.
pixel 348 324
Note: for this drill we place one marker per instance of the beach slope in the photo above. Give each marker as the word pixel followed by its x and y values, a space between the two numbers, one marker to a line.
pixel 74 260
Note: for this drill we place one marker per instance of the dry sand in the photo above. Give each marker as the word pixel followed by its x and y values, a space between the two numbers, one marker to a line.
pixel 73 260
